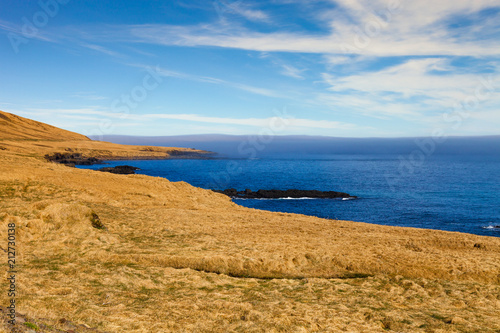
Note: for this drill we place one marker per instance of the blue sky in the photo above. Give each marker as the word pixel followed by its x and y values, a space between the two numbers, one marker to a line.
pixel 349 68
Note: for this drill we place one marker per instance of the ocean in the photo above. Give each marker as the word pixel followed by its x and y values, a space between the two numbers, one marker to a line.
pixel 444 192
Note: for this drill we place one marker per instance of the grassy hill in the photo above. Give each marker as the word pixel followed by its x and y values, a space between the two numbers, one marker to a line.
pixel 26 136
pixel 14 127
pixel 132 253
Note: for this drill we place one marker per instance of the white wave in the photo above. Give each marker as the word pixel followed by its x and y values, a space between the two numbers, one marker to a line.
pixel 350 198
pixel 492 227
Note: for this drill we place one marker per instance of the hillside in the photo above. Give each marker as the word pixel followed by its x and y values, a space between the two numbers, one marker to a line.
pixel 26 136
pixel 13 127
pixel 133 253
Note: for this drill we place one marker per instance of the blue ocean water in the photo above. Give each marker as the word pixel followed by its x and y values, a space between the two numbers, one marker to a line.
pixel 447 192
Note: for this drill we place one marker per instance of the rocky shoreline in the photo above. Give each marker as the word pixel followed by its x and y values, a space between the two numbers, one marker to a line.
pixel 72 159
pixel 120 170
pixel 280 194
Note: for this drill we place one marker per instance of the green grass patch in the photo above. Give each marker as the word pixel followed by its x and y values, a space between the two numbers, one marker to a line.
pixel 32 326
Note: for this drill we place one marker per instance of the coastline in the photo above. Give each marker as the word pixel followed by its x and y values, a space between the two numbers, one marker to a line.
pixel 72 158
pixel 137 253
pixel 188 239
pixel 375 204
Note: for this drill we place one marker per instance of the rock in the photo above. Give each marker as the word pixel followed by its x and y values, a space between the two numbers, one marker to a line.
pixel 120 169
pixel 96 221
pixel 71 159
pixel 279 194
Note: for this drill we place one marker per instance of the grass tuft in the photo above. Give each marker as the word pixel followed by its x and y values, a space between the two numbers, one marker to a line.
pixel 32 326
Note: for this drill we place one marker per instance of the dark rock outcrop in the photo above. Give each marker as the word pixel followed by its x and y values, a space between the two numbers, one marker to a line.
pixel 72 159
pixel 96 222
pixel 120 169
pixel 279 194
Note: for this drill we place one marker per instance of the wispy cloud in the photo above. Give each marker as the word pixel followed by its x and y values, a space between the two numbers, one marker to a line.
pixel 428 78
pixel 96 113
pixel 89 96
pixel 418 91
pixel 15 31
pixel 253 122
pixel 241 8
pixel 394 61
pixel 9 27
pixel 291 71
pixel 363 27
pixel 206 79
pixel 412 28
pixel 101 49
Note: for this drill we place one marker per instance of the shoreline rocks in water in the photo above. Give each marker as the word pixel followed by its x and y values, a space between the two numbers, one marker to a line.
pixel 280 194
pixel 120 170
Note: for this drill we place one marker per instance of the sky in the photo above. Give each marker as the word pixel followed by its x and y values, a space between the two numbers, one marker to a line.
pixel 342 68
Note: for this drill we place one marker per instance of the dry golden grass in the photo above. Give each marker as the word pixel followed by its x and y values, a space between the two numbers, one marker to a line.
pixel 33 138
pixel 175 258
pixel 13 127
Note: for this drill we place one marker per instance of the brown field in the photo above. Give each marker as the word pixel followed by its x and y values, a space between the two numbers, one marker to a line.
pixel 175 258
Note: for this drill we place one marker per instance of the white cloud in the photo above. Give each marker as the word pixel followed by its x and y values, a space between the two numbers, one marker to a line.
pixel 337 59
pixel 417 91
pixel 358 33
pixel 414 78
pixel 365 27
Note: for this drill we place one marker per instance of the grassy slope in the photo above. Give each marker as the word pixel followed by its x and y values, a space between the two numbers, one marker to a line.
pixel 13 127
pixel 157 266
pixel 29 137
